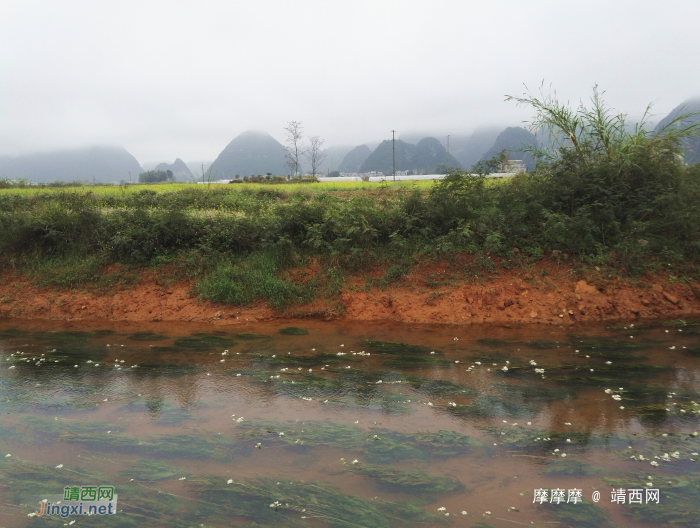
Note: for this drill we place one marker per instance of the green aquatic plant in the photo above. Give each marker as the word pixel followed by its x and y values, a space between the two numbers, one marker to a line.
pixel 105 437
pixel 397 480
pixel 9 333
pixel 490 406
pixel 492 342
pixel 583 515
pixel 377 445
pixel 293 330
pixel 533 393
pixel 437 387
pixel 153 470
pixel 679 497
pixel 534 440
pixel 284 502
pixel 400 349
pixel 147 336
pixel 588 342
pixel 542 345
pixel 250 337
pixel 413 362
pixel 204 342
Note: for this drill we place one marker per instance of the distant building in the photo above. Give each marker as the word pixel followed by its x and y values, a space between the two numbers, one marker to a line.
pixel 363 175
pixel 515 166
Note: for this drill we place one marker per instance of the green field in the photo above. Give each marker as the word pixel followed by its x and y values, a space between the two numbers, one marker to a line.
pixel 175 187
pixel 621 200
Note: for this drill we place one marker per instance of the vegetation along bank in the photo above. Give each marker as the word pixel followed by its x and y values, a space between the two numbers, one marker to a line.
pixel 606 227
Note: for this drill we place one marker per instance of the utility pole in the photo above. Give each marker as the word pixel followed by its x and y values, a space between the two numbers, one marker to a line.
pixel 393 153
pixel 448 153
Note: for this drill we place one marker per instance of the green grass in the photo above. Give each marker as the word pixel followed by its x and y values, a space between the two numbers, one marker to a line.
pixel 118 190
pixel 606 198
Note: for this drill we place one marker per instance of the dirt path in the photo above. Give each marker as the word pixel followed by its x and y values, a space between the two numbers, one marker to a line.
pixel 511 298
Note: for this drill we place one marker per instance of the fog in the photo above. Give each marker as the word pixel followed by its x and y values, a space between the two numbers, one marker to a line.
pixel 181 79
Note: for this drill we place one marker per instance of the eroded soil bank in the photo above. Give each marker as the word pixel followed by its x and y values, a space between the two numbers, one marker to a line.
pixel 548 293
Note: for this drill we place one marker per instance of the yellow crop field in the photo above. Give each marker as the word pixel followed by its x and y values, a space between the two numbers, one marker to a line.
pixel 175 187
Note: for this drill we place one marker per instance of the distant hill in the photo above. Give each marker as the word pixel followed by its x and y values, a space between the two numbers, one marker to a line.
pixel 104 164
pixel 692 144
pixel 334 156
pixel 429 154
pixel 353 160
pixel 468 150
pixel 249 154
pixel 380 158
pixel 425 157
pixel 179 169
pixel 513 139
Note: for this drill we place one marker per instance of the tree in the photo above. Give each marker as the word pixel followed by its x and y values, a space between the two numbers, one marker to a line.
pixel 293 145
pixel 315 154
pixel 154 176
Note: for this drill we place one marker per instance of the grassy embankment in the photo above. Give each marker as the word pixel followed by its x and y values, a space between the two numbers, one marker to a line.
pixel 604 197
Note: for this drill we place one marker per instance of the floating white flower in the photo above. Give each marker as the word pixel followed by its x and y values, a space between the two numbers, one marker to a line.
pixel 229 481
pixel 59 466
pixel 654 463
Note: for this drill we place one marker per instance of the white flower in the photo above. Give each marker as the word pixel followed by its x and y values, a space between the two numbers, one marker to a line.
pixel 8 455
pixel 464 512
pixel 563 454
pixel 59 466
pixel 182 478
pixel 441 509
pixel 456 339
pixel 654 463
pixel 281 434
pixel 430 404
pixel 229 481
pixel 505 369
pixel 355 461
pixel 239 420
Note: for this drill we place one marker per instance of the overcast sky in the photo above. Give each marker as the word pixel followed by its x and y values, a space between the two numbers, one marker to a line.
pixel 181 79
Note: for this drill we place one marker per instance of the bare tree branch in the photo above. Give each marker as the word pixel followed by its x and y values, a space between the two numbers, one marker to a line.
pixel 293 146
pixel 315 153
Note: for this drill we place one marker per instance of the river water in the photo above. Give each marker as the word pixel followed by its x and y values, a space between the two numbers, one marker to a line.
pixel 306 423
